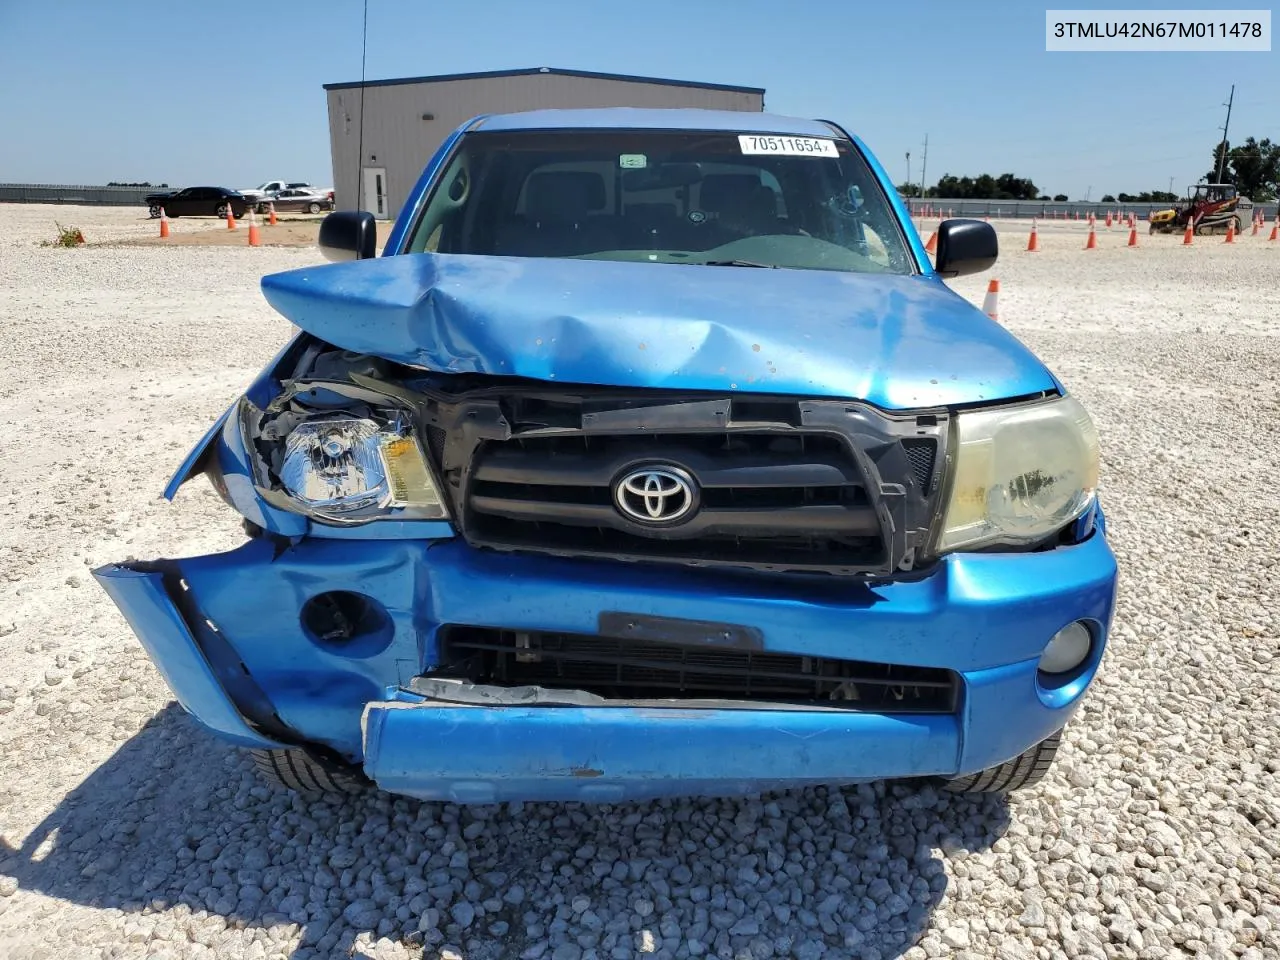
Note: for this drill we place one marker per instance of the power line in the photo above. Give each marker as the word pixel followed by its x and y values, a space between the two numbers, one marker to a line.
pixel 360 158
pixel 924 165
pixel 1222 152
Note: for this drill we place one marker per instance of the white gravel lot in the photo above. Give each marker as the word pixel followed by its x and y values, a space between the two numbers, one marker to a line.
pixel 125 831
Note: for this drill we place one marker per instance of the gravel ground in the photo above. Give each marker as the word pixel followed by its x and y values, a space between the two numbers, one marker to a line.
pixel 127 832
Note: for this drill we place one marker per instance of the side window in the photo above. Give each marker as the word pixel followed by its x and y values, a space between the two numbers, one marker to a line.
pixel 447 203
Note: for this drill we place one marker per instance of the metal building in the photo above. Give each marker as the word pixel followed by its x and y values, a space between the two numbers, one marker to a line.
pixel 407 119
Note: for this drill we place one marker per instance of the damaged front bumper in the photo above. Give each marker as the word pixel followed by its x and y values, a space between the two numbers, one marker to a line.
pixel 336 645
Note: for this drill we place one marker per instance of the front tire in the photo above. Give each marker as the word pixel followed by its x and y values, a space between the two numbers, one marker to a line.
pixel 313 208
pixel 154 210
pixel 1024 770
pixel 220 211
pixel 308 775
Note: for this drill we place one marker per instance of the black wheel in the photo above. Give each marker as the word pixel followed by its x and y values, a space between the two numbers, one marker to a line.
pixel 303 773
pixel 154 210
pixel 1024 770
pixel 1151 229
pixel 221 211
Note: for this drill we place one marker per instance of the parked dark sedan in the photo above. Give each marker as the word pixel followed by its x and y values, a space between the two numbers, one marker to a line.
pixel 198 202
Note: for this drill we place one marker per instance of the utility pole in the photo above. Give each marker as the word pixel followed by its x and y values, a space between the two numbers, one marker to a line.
pixel 1222 151
pixel 1171 184
pixel 908 172
pixel 924 165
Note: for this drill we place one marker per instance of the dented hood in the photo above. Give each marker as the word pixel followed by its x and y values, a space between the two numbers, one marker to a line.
pixel 894 341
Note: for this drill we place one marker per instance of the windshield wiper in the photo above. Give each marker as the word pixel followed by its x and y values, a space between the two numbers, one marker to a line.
pixel 737 263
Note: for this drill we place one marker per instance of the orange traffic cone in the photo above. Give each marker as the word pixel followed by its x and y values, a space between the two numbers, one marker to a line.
pixel 1133 236
pixel 1092 242
pixel 932 245
pixel 1275 230
pixel 231 218
pixel 991 302
pixel 1231 232
pixel 1256 226
pixel 164 224
pixel 1190 232
pixel 254 239
pixel 271 214
pixel 1108 218
pixel 1033 244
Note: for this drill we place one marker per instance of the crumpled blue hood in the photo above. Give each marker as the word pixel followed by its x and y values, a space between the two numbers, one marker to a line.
pixel 894 341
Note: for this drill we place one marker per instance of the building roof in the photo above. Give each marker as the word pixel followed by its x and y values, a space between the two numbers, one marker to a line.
pixel 646 118
pixel 535 71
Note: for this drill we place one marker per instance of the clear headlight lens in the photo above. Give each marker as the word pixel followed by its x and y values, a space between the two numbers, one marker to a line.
pixel 345 466
pixel 1020 474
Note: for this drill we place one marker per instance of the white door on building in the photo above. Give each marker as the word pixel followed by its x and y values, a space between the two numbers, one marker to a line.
pixel 375 191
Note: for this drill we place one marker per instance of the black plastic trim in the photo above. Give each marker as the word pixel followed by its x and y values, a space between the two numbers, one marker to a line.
pixel 896 509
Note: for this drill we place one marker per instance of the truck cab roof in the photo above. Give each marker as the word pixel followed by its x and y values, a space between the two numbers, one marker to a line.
pixel 642 118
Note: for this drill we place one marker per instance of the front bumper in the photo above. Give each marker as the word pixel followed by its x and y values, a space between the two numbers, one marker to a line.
pixel 228 634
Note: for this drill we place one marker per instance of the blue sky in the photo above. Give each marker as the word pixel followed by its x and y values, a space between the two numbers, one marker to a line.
pixel 230 93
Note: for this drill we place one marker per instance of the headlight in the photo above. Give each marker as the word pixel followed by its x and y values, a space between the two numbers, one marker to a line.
pixel 345 467
pixel 1020 474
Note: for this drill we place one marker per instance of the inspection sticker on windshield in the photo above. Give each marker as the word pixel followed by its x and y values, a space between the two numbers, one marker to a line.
pixel 788 146
pixel 633 161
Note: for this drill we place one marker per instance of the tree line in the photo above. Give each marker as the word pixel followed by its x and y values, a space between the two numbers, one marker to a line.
pixel 1253 167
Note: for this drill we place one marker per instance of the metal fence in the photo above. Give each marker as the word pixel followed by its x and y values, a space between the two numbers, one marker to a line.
pixel 1047 209
pixel 1018 209
pixel 62 193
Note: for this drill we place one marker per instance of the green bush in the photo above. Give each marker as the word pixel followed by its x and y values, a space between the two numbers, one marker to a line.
pixel 67 237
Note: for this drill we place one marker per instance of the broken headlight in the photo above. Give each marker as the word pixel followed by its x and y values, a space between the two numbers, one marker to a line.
pixel 340 466
pixel 1021 474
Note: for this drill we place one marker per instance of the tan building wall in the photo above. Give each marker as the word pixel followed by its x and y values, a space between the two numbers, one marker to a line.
pixel 399 139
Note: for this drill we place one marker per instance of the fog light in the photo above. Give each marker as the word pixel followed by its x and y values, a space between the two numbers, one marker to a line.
pixel 1067 650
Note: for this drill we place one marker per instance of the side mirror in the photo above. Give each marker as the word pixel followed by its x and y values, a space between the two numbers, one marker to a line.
pixel 965 246
pixel 349 235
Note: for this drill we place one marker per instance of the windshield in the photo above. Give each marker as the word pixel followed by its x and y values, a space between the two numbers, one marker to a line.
pixel 664 197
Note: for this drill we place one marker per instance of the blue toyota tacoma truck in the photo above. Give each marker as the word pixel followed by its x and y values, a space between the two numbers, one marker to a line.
pixel 652 456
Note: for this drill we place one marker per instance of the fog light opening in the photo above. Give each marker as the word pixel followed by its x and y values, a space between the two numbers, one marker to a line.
pixel 1066 651
pixel 347 623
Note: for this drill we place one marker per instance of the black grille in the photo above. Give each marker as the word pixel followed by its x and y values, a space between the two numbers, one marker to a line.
pixel 436 438
pixel 921 454
pixel 763 497
pixel 783 485
pixel 619 668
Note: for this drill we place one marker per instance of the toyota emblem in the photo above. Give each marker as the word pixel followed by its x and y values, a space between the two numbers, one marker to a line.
pixel 655 495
